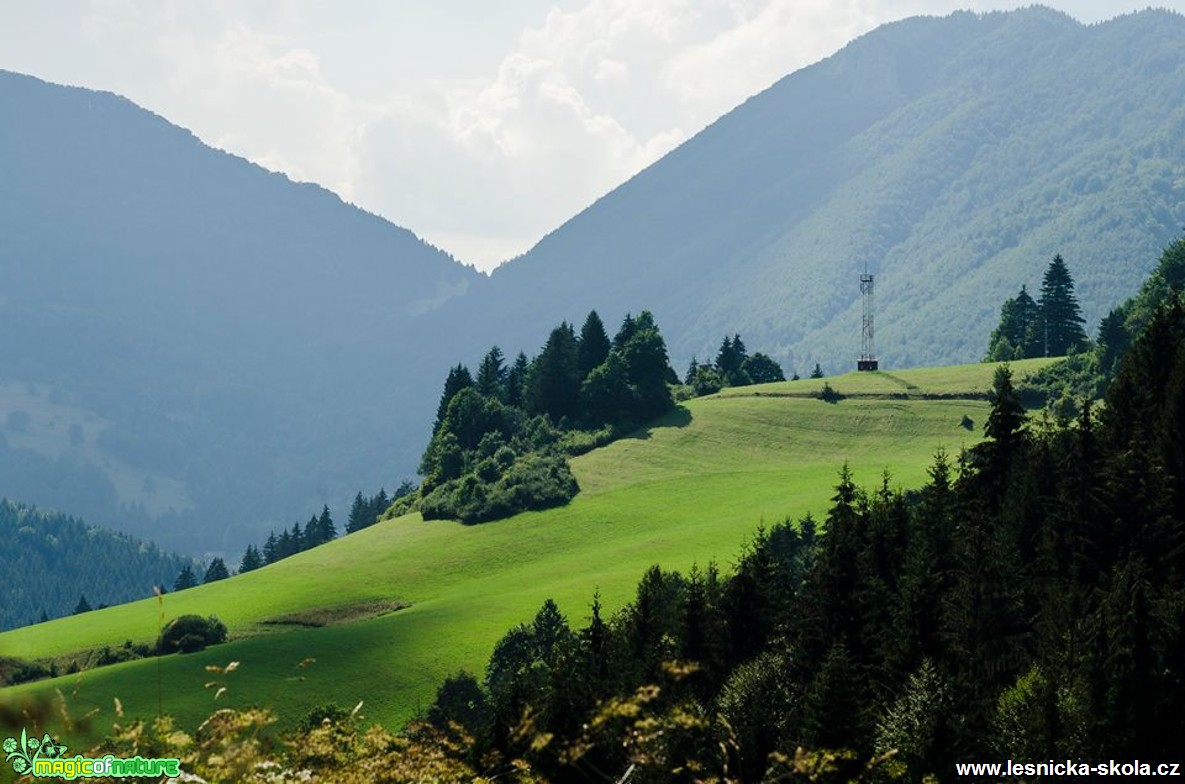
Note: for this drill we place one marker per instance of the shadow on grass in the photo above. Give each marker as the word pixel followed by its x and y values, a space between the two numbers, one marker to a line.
pixel 680 417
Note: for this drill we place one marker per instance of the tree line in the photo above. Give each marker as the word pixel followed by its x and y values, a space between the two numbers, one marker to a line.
pixel 733 367
pixel 501 438
pixel 55 558
pixel 319 529
pixel 1028 603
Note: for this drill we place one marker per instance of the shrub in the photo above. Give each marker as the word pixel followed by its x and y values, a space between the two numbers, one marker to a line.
pixel 190 633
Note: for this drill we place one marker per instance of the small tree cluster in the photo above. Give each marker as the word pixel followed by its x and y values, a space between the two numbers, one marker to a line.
pixel 498 441
pixel 189 633
pixel 734 367
pixel 1049 327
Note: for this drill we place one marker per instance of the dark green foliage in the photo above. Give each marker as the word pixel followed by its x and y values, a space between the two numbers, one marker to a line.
pixel 364 512
pixel 1013 337
pixel 458 379
pixel 1029 604
pixel 817 372
pixel 185 579
pixel 606 395
pixel 491 375
pixel 553 382
pixel 251 561
pixel 1059 322
pixel 499 449
pixel 189 633
pixel 327 713
pixel 460 699
pixel 730 362
pixel 1112 342
pixel 644 354
pixel 594 344
pixel 762 370
pixel 516 379
pixel 532 482
pixel 82 606
pixel 706 381
pixel 1051 327
pixel 54 558
pixel 216 571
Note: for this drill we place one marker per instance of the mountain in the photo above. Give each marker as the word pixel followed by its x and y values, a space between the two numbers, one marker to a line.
pixel 193 348
pixel 60 559
pixel 196 350
pixel 417 601
pixel 952 157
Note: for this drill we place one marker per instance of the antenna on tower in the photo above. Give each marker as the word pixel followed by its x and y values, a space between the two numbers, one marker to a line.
pixel 867 359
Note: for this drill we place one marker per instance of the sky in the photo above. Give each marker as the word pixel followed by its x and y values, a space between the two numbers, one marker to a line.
pixel 479 125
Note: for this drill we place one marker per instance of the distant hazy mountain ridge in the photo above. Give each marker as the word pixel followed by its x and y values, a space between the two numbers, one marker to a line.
pixel 198 350
pixel 230 343
pixel 954 157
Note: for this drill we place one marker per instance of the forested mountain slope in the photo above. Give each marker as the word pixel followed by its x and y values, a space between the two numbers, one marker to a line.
pixel 192 345
pixel 952 157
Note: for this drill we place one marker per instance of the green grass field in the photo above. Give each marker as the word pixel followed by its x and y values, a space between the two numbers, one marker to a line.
pixel 689 490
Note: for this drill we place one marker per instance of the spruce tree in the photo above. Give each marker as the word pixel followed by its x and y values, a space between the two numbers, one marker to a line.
pixel 553 384
pixel 82 606
pixel 1011 338
pixel 312 534
pixel 186 579
pixel 458 379
pixel 216 571
pixel 491 375
pixel 817 372
pixel 325 527
pixel 271 552
pixel 252 560
pixel 594 344
pixel 516 379
pixel 359 512
pixel 1060 317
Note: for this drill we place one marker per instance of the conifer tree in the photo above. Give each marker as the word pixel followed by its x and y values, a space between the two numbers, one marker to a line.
pixel 359 512
pixel 553 384
pixel 82 606
pixel 594 344
pixel 1060 319
pixel 491 375
pixel 516 379
pixel 1012 338
pixel 458 379
pixel 271 551
pixel 216 571
pixel 186 579
pixel 251 560
pixel 817 372
pixel 312 534
pixel 326 530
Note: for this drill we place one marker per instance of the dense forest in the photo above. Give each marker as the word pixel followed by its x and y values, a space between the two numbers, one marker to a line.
pixel 1026 603
pixel 62 561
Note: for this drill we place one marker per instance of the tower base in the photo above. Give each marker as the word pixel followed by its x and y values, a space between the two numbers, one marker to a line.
pixel 867 364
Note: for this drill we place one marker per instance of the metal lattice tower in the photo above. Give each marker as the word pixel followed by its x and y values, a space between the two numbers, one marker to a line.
pixel 867 359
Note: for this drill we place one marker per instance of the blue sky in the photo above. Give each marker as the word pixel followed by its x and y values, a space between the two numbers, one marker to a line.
pixel 480 126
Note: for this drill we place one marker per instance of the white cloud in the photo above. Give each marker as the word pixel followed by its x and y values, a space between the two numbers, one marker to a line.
pixel 478 128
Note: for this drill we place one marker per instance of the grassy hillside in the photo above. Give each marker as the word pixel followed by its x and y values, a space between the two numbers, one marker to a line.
pixel 689 490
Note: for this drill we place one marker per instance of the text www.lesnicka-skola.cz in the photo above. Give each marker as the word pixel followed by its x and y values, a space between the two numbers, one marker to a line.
pixel 1009 769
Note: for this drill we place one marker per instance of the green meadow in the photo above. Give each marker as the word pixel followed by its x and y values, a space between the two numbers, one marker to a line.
pixel 383 615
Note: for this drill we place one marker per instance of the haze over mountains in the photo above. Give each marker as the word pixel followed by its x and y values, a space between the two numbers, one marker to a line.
pixel 202 350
